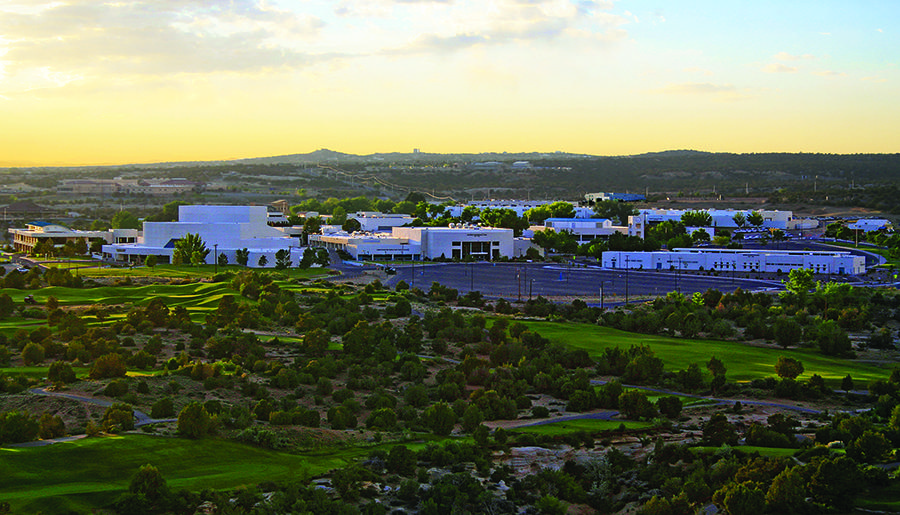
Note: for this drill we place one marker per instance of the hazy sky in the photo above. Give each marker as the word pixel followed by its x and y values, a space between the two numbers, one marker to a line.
pixel 94 82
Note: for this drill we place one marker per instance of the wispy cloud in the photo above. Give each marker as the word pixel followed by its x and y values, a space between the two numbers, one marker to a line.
pixel 522 21
pixel 829 73
pixel 785 56
pixel 696 69
pixel 779 68
pixel 717 92
pixel 874 78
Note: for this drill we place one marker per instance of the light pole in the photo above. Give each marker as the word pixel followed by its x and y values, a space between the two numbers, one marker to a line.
pixel 519 282
pixel 627 261
pixel 216 258
pixel 601 291
pixel 530 289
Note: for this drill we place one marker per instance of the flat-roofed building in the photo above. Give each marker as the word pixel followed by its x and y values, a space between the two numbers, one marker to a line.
pixel 458 241
pixel 24 240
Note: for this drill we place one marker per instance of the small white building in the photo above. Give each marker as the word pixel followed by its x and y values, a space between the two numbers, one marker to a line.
pixel 739 260
pixel 226 229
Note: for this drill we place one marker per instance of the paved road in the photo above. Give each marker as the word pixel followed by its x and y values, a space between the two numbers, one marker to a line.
pixel 140 418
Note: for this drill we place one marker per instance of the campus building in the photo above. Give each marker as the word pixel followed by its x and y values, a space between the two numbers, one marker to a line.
pixel 871 224
pixel 721 219
pixel 24 240
pixel 372 221
pixel 458 241
pixel 518 206
pixel 591 198
pixel 128 186
pixel 739 260
pixel 584 229
pixel 224 229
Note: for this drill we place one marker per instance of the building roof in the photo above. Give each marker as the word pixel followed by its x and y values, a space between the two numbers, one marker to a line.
pixel 25 207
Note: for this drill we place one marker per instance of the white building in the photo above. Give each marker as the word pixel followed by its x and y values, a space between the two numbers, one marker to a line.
pixel 223 228
pixel 454 242
pixel 371 221
pixel 519 206
pixel 739 260
pixel 870 224
pixel 584 229
pixel 24 240
pixel 721 219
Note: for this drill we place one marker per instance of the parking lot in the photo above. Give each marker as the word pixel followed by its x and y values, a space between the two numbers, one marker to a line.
pixel 515 281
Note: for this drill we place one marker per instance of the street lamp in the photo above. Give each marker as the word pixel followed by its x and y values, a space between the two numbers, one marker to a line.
pixel 216 258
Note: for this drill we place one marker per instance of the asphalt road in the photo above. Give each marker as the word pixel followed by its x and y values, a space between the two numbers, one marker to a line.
pixel 521 280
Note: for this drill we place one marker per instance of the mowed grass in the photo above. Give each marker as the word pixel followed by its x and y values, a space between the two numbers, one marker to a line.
pixel 84 474
pixel 769 452
pixel 585 424
pixel 189 272
pixel 41 372
pixel 744 362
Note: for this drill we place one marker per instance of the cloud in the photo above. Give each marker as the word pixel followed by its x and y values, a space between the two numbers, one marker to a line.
pixel 779 68
pixel 829 73
pixel 84 38
pixel 519 22
pixel 874 79
pixel 784 56
pixel 695 69
pixel 697 88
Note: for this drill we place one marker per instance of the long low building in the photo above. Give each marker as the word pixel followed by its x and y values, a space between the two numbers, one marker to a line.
pixel 24 240
pixel 459 241
pixel 739 260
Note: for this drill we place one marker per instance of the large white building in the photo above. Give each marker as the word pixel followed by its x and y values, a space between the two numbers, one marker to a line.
pixel 738 260
pixel 459 241
pixel 226 229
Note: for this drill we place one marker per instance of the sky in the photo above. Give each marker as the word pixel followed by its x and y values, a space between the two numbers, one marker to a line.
pixel 88 82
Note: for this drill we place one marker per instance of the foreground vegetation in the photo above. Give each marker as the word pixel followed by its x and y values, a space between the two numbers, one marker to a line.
pixel 254 382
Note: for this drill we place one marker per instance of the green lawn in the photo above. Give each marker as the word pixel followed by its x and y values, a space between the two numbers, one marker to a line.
pixel 744 362
pixel 574 426
pixel 84 474
pixel 41 372
pixel 771 452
